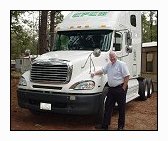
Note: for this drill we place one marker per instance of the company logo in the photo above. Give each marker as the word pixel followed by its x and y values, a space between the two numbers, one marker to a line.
pixel 42 62
pixel 90 14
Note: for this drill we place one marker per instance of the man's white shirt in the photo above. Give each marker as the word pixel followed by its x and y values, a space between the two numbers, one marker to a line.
pixel 116 73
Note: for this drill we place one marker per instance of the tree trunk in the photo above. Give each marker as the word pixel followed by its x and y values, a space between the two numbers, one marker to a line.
pixel 43 32
pixel 52 24
pixel 151 25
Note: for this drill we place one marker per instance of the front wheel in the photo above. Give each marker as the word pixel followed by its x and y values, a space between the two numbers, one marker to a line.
pixel 100 113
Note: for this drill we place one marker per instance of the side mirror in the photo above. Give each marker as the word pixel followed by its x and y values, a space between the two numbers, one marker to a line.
pixel 129 38
pixel 97 52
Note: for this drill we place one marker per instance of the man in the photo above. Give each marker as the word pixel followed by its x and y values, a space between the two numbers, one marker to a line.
pixel 118 77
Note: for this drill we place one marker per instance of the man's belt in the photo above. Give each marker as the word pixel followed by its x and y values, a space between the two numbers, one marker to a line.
pixel 118 86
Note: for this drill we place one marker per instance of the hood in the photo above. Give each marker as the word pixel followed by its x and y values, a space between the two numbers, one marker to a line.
pixel 77 60
pixel 71 56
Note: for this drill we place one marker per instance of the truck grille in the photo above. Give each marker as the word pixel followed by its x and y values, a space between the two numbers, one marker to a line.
pixel 51 73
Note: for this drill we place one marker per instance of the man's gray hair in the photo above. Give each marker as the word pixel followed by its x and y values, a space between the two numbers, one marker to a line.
pixel 112 52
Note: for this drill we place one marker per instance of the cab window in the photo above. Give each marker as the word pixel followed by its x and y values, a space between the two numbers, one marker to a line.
pixel 133 20
pixel 117 44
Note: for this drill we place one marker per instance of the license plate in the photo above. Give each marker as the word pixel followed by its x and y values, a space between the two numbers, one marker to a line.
pixel 45 106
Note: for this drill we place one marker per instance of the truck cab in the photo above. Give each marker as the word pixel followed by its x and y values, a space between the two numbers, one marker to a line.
pixel 59 81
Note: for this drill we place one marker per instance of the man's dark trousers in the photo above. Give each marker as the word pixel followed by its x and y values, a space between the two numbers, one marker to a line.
pixel 115 94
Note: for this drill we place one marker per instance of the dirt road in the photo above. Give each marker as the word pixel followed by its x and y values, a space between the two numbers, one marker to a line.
pixel 140 115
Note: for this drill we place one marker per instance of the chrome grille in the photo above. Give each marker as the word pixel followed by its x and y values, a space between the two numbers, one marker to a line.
pixel 50 73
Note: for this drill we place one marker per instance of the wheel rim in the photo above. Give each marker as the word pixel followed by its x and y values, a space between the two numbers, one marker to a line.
pixel 150 90
pixel 104 102
pixel 105 99
pixel 146 91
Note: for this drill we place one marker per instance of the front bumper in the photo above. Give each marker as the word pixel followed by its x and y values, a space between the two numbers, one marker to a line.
pixel 65 103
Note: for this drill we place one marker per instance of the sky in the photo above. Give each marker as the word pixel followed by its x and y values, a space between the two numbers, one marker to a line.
pixel 36 14
pixel 65 13
pixel 34 17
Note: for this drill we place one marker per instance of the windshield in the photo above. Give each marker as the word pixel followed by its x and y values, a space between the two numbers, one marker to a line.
pixel 83 40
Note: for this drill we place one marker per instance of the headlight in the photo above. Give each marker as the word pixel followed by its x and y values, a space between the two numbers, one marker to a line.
pixel 83 85
pixel 22 82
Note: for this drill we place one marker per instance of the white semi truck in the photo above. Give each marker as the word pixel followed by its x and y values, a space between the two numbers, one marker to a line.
pixel 59 81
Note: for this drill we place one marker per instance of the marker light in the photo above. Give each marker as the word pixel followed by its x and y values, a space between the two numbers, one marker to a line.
pixel 103 25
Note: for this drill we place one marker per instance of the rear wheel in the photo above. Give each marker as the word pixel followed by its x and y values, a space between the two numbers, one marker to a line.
pixel 150 87
pixel 143 89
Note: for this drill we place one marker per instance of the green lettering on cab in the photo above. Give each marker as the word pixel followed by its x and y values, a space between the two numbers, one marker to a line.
pixel 91 14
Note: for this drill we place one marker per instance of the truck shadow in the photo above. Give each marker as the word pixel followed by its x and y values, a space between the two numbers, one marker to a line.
pixel 52 121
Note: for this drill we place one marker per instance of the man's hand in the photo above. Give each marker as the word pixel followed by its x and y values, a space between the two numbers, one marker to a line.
pixel 126 79
pixel 96 73
pixel 92 74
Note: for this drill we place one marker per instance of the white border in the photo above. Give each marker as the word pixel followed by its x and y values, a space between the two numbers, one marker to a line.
pixel 7 5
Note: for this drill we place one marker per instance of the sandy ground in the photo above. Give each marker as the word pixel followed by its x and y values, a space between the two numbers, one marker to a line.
pixel 140 115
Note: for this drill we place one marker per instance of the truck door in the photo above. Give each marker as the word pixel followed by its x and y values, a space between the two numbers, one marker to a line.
pixel 120 46
pixel 118 43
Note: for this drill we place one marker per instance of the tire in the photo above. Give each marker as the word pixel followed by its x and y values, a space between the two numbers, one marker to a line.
pixel 143 89
pixel 150 88
pixel 100 113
